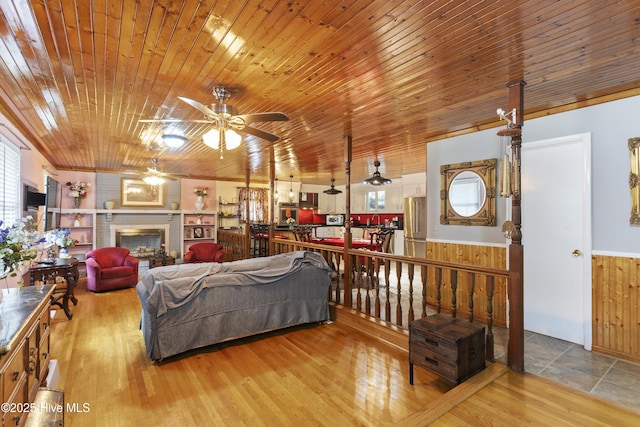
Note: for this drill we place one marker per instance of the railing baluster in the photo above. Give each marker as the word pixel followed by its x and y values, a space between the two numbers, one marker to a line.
pixel 410 270
pixel 453 274
pixel 337 259
pixel 423 275
pixel 490 341
pixel 357 262
pixel 387 304
pixel 438 289
pixel 472 288
pixel 399 303
pixel 370 285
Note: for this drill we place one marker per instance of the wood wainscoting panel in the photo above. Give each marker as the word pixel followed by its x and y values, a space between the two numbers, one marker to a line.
pixel 616 302
pixel 488 256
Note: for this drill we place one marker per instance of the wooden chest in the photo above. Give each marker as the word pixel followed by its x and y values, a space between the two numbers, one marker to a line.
pixel 161 261
pixel 450 347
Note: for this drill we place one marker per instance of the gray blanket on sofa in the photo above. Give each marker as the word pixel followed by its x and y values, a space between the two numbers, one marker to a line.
pixel 172 286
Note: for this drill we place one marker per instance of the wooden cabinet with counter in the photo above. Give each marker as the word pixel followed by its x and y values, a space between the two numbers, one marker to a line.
pixel 24 348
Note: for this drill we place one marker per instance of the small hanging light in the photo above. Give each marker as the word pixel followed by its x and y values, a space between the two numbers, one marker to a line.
pixel 332 191
pixel 376 178
pixel 276 196
pixel 291 194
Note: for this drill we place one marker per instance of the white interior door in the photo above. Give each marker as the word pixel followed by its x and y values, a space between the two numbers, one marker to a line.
pixel 556 234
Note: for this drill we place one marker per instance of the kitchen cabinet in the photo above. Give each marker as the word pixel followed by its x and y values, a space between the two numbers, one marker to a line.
pixel 324 232
pixel 341 203
pixel 395 199
pixel 415 185
pixel 327 204
pixel 358 198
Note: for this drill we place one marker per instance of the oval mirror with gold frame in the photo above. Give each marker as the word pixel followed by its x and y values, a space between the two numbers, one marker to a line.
pixel 468 193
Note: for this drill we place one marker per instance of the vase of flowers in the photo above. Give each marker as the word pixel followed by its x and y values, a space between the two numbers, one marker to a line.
pixel 291 222
pixel 200 193
pixel 78 191
pixel 62 238
pixel 18 244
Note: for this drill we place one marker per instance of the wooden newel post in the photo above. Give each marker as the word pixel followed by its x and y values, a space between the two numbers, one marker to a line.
pixel 347 225
pixel 515 350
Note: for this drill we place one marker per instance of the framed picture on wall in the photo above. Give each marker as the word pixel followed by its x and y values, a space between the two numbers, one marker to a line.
pixel 136 192
pixel 198 233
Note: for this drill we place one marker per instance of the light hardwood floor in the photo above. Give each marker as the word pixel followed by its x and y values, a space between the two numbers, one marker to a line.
pixel 323 375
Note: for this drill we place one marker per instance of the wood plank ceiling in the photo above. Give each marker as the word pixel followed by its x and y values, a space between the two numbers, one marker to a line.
pixel 77 76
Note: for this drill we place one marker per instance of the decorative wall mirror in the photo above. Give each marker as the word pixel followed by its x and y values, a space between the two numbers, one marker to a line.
pixel 468 193
pixel 634 184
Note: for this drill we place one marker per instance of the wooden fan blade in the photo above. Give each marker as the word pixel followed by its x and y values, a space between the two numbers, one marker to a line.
pixel 272 116
pixel 260 133
pixel 203 108
pixel 177 121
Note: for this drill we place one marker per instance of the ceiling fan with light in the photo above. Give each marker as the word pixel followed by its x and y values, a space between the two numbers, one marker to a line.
pixel 227 122
pixel 153 176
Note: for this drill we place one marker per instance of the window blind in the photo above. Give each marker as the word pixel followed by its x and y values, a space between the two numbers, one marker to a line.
pixel 9 182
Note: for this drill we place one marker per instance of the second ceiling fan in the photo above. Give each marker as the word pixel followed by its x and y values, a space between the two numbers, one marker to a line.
pixel 227 121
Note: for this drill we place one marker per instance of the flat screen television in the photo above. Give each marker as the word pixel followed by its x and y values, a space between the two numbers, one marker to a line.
pixel 53 198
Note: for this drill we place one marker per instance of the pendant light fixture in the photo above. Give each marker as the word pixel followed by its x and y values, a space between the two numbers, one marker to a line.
pixel 291 194
pixel 376 178
pixel 332 191
pixel 276 197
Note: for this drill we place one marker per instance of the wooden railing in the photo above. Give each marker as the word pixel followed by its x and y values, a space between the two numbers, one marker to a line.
pixel 397 289
pixel 233 244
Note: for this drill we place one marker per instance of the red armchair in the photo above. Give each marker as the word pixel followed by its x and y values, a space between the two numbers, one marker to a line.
pixel 111 268
pixel 204 252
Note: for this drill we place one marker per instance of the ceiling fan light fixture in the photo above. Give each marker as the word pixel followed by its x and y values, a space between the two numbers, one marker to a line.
pixel 376 178
pixel 233 139
pixel 212 139
pixel 153 180
pixel 173 141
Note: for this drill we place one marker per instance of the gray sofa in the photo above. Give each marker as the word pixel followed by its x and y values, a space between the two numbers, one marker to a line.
pixel 194 305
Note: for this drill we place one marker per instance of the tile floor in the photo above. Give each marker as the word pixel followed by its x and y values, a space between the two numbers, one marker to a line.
pixel 566 363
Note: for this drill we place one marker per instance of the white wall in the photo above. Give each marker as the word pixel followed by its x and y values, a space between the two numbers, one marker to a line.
pixel 610 124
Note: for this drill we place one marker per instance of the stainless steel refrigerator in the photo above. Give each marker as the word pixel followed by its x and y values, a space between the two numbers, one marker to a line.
pixel 415 226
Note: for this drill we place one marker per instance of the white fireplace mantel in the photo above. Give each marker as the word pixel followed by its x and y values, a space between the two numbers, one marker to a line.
pixel 110 212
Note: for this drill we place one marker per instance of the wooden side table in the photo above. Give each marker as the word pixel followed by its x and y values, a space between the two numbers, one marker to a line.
pixel 66 268
pixel 158 261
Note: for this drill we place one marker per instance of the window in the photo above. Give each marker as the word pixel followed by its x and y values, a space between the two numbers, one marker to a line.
pixel 375 201
pixel 258 204
pixel 9 182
